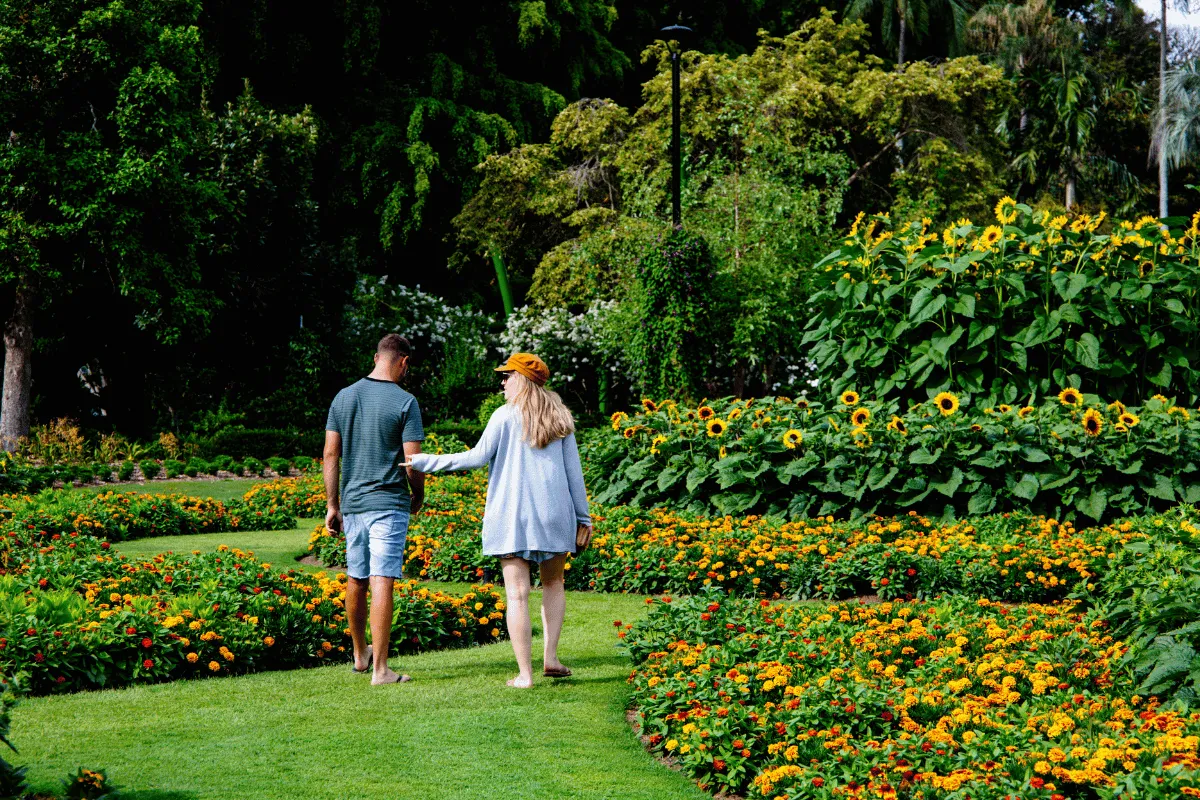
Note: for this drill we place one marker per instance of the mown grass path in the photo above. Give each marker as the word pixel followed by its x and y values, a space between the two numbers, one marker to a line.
pixel 456 731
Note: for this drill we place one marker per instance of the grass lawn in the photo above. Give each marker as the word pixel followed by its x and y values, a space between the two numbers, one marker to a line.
pixel 456 731
pixel 224 490
pixel 279 548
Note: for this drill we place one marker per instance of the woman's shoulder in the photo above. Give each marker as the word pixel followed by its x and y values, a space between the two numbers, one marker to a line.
pixel 504 414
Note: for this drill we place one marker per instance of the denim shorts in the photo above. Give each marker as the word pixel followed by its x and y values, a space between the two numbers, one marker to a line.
pixel 375 543
pixel 535 556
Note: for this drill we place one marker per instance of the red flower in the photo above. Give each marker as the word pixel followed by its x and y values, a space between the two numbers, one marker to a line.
pixel 887 716
pixel 910 572
pixel 43 583
pixel 148 664
pixel 738 744
pixel 713 606
pixel 884 582
pixel 718 765
pixel 1036 783
pixel 818 781
pixel 706 616
pixel 616 623
pixel 31 632
pixel 147 643
pixel 38 658
pixel 60 679
pixel 105 545
pixel 131 631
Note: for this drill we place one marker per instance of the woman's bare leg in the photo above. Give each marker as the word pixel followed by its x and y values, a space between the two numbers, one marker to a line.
pixel 554 603
pixel 516 588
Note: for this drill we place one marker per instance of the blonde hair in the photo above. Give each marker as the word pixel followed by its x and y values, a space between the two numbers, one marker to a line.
pixel 544 416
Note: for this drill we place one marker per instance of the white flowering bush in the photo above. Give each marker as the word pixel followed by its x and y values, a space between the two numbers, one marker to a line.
pixel 576 347
pixel 427 320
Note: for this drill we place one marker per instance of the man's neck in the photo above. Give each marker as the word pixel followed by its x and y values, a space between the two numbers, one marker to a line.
pixel 380 375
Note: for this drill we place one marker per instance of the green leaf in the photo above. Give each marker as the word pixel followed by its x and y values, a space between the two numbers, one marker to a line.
pixel 1034 455
pixel 1087 351
pixel 949 486
pixel 980 334
pixel 669 477
pixel 697 475
pixel 965 305
pixel 1094 504
pixel 1026 488
pixel 1173 304
pixel 923 456
pixel 1162 488
pixel 1162 378
pixel 924 305
pixel 880 476
pixel 983 501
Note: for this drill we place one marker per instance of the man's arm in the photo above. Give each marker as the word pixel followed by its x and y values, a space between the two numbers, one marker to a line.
pixel 416 480
pixel 331 468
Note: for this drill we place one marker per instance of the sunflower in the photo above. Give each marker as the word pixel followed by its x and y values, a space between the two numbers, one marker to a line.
pixel 898 426
pixel 721 453
pixel 1183 412
pixel 1145 268
pixel 734 414
pixel 1117 407
pixel 860 417
pixel 1093 423
pixel 861 437
pixel 690 415
pixel 630 432
pixel 1160 399
pixel 781 400
pixel 1005 408
pixel 1070 397
pixel 792 439
pixel 1130 420
pixel 947 403
pixel 976 428
pixel 989 411
pixel 1006 210
pixel 617 419
pixel 705 413
pixel 850 398
pixel 991 235
pixel 656 441
pixel 1120 428
pixel 801 403
pixel 716 427
pixel 649 405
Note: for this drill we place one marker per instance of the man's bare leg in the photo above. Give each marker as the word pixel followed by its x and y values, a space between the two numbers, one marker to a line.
pixel 382 602
pixel 516 589
pixel 356 618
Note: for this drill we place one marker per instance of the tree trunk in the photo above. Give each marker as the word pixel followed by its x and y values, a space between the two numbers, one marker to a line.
pixel 900 49
pixel 18 372
pixel 1162 110
pixel 1070 193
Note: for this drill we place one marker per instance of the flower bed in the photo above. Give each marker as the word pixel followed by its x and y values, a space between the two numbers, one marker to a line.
pixel 1071 456
pixel 948 699
pixel 75 616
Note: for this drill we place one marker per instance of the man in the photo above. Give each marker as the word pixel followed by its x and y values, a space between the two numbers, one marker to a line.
pixel 374 426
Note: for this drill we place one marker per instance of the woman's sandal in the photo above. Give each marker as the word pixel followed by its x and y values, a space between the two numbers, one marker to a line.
pixel 556 673
pixel 370 663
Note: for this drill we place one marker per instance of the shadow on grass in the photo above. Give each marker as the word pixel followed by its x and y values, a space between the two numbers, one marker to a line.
pixel 156 794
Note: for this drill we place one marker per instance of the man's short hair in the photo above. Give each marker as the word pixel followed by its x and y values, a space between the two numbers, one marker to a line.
pixel 394 346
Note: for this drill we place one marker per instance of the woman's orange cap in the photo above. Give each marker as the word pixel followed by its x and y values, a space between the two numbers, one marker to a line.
pixel 528 365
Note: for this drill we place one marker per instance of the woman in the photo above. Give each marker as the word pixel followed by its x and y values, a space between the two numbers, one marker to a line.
pixel 535 502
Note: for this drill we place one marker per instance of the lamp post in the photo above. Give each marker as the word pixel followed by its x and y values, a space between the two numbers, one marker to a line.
pixel 676 157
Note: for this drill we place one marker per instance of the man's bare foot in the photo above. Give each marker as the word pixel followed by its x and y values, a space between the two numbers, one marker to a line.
pixel 520 683
pixel 389 676
pixel 365 665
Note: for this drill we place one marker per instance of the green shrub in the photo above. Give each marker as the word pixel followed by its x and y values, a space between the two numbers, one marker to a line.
pixel 303 463
pixel 196 466
pixel 254 466
pixel 489 406
pixel 461 429
pixel 260 443
pixel 222 463
pixel 1066 457
pixel 1010 311
pixel 150 468
pixel 236 468
pixel 102 471
pixel 281 466
pixel 125 471
pixel 173 468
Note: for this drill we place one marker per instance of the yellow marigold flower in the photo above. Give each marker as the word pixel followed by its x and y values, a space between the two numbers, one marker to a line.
pixel 1130 420
pixel 716 427
pixel 1093 423
pixel 1070 397
pixel 1057 756
pixel 860 417
pixel 947 403
pixel 192 658
pixel 1006 210
pixel 792 439
pixel 269 641
pixel 850 398
pixel 898 426
pixel 214 666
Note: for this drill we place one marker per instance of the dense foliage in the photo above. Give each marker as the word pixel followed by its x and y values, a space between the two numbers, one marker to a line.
pixel 1070 455
pixel 1010 310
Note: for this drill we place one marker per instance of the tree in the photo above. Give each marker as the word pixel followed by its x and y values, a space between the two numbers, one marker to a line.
pixel 1177 135
pixel 115 179
pixel 1019 38
pixel 901 18
pixel 1161 123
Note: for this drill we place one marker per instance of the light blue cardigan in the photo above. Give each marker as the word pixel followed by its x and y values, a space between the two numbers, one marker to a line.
pixel 535 498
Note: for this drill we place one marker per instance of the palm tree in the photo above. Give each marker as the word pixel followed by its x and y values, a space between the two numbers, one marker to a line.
pixel 902 18
pixel 1177 133
pixel 1163 44
pixel 1019 38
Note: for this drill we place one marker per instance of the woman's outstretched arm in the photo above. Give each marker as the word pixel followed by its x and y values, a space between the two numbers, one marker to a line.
pixel 478 456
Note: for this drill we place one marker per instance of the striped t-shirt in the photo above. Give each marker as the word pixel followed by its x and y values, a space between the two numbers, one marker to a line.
pixel 375 418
